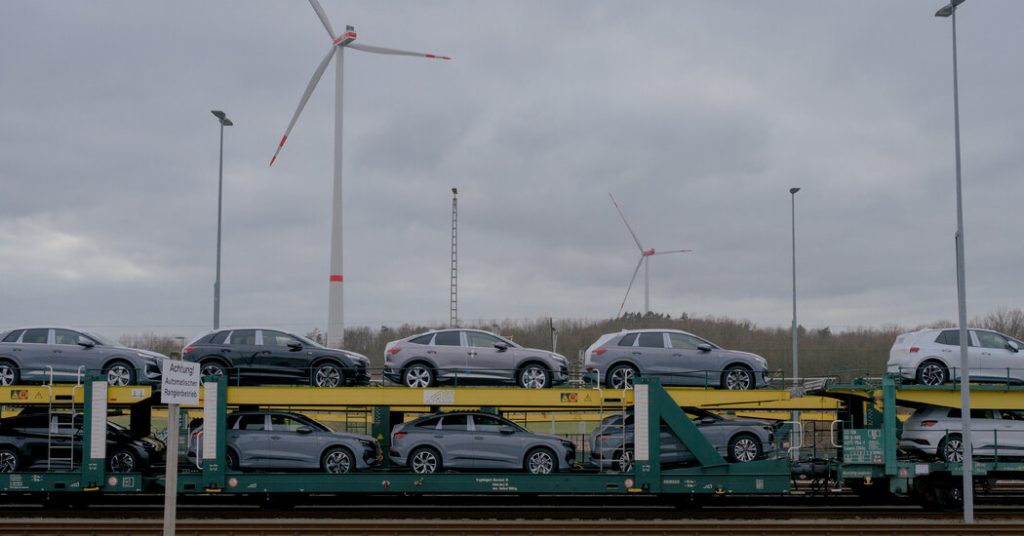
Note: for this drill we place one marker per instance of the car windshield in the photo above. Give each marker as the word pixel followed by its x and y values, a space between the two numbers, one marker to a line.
pixel 306 341
pixel 99 338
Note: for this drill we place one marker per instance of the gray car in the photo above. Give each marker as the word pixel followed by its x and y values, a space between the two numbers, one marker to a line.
pixel 738 440
pixel 285 440
pixel 475 440
pixel 674 357
pixel 64 355
pixel 470 355
pixel 936 432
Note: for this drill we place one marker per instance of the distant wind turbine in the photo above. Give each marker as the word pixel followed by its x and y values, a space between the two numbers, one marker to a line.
pixel 335 309
pixel 645 255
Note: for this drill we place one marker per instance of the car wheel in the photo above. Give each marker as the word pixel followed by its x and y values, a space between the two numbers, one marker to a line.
pixel 212 368
pixel 9 373
pixel 122 461
pixel 418 375
pixel 738 378
pixel 534 377
pixel 541 461
pixel 338 460
pixel 951 449
pixel 231 460
pixel 932 373
pixel 621 377
pixel 744 448
pixel 624 460
pixel 120 373
pixel 328 375
pixel 425 460
pixel 8 461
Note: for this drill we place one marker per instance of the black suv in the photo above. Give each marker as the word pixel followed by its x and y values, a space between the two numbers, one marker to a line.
pixel 260 355
pixel 53 441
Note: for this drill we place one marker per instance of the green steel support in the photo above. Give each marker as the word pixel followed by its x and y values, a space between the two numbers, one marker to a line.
pixel 889 441
pixel 215 410
pixel 381 431
pixel 93 468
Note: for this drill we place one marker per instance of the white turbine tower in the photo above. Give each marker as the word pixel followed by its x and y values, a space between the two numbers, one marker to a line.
pixel 645 255
pixel 335 310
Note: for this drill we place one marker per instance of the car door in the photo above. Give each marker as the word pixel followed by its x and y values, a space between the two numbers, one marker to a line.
pixel 75 357
pixel 691 365
pixel 284 356
pixel 494 448
pixel 984 423
pixel 997 360
pixel 251 439
pixel 37 355
pixel 451 354
pixel 656 358
pixel 458 447
pixel 1010 433
pixel 240 350
pixel 290 447
pixel 486 360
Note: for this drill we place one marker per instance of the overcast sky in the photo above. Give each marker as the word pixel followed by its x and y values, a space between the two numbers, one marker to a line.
pixel 697 116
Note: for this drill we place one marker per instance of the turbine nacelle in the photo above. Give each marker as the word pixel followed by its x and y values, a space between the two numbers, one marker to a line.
pixel 647 252
pixel 345 38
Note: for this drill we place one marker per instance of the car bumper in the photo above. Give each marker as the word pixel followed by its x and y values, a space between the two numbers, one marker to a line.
pixel 393 375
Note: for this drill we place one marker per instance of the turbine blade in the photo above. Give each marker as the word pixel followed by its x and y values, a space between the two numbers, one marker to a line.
pixel 623 216
pixel 394 51
pixel 323 17
pixel 305 98
pixel 673 251
pixel 631 280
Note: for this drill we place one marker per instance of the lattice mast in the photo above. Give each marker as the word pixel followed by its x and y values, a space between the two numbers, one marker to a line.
pixel 453 303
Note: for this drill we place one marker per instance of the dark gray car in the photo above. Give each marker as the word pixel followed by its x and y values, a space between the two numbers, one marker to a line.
pixel 470 356
pixel 674 357
pixel 262 355
pixel 285 440
pixel 64 355
pixel 475 440
pixel 738 440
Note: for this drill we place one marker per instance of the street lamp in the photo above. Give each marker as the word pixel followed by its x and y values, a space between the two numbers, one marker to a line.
pixel 224 122
pixel 949 10
pixel 796 436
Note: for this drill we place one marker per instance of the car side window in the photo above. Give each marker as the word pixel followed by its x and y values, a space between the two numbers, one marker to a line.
pixel 454 423
pixel 219 337
pixel 1008 415
pixel 447 338
pixel 251 422
pixel 482 340
pixel 952 338
pixel 277 338
pixel 422 339
pixel 429 423
pixel 989 339
pixel 35 336
pixel 285 423
pixel 628 340
pixel 66 336
pixel 13 336
pixel 649 339
pixel 486 423
pixel 683 341
pixel 242 337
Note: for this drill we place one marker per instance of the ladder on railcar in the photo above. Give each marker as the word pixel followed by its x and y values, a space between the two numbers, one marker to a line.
pixel 61 435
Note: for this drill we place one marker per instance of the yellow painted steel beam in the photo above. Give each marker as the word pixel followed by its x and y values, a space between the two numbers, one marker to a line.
pixel 800 403
pixel 28 395
pixel 981 397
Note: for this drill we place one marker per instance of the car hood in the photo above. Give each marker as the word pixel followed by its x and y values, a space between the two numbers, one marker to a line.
pixel 739 354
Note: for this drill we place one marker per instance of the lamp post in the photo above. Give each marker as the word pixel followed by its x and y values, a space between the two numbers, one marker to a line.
pixel 796 437
pixel 949 10
pixel 224 122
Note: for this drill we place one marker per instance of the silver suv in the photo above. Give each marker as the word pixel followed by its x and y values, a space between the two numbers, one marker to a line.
pixel 470 355
pixel 674 357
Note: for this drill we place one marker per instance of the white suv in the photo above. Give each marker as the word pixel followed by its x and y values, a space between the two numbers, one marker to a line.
pixel 932 356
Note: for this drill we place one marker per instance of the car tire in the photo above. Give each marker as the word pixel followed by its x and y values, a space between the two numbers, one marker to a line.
pixel 624 460
pixel 951 449
pixel 123 461
pixel 932 372
pixel 328 375
pixel 212 368
pixel 745 448
pixel 231 460
pixel 9 461
pixel 738 378
pixel 418 375
pixel 621 377
pixel 120 373
pixel 9 374
pixel 534 376
pixel 540 461
pixel 338 460
pixel 425 461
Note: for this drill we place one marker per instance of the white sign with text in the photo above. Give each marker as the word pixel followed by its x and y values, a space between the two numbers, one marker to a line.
pixel 180 383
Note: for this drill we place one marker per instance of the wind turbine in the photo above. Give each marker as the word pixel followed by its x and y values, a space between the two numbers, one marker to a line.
pixel 645 255
pixel 335 310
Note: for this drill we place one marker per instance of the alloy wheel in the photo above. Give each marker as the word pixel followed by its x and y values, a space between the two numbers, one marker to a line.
pixel 6 374
pixel 337 462
pixel 424 462
pixel 622 378
pixel 212 369
pixel 122 462
pixel 119 375
pixel 626 460
pixel 744 450
pixel 8 461
pixel 953 449
pixel 327 375
pixel 738 379
pixel 540 462
pixel 533 377
pixel 933 374
pixel 418 376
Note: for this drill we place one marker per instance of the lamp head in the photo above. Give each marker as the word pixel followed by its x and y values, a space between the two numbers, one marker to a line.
pixel 948 9
pixel 222 117
pixel 794 190
pixel 455 191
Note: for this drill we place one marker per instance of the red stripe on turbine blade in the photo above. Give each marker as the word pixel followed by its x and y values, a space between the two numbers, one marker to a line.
pixel 283 139
pixel 337 278
pixel 272 159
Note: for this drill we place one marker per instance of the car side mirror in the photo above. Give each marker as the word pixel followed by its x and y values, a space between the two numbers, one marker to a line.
pixel 507 430
pixel 707 420
pixel 501 346
pixel 86 344
pixel 1012 346
pixel 704 347
pixel 294 346
pixel 304 430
